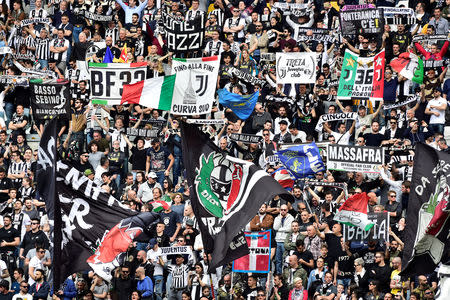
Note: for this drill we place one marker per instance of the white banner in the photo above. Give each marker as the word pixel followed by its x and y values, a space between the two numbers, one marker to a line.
pixel 107 80
pixel 201 86
pixel 175 250
pixel 335 117
pixel 5 50
pixel 354 158
pixel 296 67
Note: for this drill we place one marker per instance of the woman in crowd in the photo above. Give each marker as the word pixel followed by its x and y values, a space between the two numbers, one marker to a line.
pixel 298 292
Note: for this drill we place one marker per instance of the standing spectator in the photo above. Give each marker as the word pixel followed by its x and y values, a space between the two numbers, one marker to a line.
pixel 122 283
pixel 178 278
pixel 23 293
pixel 327 290
pixel 279 290
pixel 157 156
pixel 436 108
pixel 173 223
pixel 282 226
pixel 99 288
pixel 10 239
pixel 294 270
pixel 5 293
pixel 381 272
pixel 159 261
pixel 144 284
pixel 17 169
pixel 299 292
pixel 40 289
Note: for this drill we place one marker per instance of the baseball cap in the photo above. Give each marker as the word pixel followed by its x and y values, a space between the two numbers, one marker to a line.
pixel 283 122
pixel 152 243
pixel 152 175
pixel 437 89
pixel 88 172
pixel 155 140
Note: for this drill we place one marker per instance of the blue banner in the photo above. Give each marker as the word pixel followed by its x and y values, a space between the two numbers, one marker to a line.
pixel 302 160
pixel 241 105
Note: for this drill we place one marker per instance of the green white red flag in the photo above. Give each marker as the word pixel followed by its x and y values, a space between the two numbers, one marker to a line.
pixel 354 212
pixel 410 66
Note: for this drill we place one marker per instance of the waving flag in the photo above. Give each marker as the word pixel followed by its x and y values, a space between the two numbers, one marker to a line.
pixel 284 178
pixel 410 66
pixel 242 106
pixel 156 92
pixel 225 193
pixel 108 56
pixel 160 205
pixel 302 160
pixel 123 55
pixel 428 219
pixel 354 212
pixel 258 261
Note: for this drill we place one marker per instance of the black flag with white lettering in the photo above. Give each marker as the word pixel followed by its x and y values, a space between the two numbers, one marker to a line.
pixel 50 99
pixel 428 220
pixel 46 187
pixel 226 193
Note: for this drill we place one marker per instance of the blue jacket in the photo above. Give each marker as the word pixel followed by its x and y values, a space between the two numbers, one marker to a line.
pixel 42 293
pixel 145 286
pixel 70 290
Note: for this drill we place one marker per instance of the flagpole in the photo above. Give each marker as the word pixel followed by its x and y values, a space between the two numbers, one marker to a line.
pixel 210 276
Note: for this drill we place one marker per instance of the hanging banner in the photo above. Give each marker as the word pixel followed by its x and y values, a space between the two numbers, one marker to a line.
pixel 314 34
pixel 205 122
pixel 335 117
pixel 183 36
pixel 24 57
pixel 246 138
pixel 258 261
pixel 357 7
pixel 430 38
pixel 410 99
pixel 363 21
pixel 379 232
pixel 267 57
pixel 354 158
pixel 97 17
pixel 284 99
pixel 296 67
pixel 107 80
pixel 27 22
pixel 16 80
pixel 243 76
pixel 296 9
pixel 201 86
pixel 398 15
pixel 362 78
pixel 142 132
pixel 42 73
pixel 49 100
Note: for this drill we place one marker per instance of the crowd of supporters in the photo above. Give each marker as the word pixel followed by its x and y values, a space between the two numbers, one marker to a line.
pixel 310 258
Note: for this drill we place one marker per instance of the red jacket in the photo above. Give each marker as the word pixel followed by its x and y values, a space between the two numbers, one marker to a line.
pixel 427 55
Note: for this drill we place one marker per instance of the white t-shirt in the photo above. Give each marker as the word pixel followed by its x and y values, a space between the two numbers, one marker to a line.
pixel 23 297
pixel 341 139
pixel 154 257
pixel 437 119
pixel 37 264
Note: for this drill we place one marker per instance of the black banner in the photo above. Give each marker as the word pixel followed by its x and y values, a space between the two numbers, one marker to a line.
pixel 97 17
pixel 225 193
pixel 364 21
pixel 241 75
pixel 430 38
pixel 49 100
pixel 20 56
pixel 286 99
pixel 246 138
pixel 183 36
pixel 318 34
pixel 142 132
pixel 427 221
pixel 379 232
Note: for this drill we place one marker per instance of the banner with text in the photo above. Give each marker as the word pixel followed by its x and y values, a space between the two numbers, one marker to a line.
pixel 364 21
pixel 354 158
pixel 379 232
pixel 183 36
pixel 201 86
pixel 107 80
pixel 335 117
pixel 362 78
pixel 258 261
pixel 49 100
pixel 246 138
pixel 314 34
pixel 296 67
pixel 175 250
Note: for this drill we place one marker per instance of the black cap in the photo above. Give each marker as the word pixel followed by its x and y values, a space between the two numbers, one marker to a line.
pixel 283 122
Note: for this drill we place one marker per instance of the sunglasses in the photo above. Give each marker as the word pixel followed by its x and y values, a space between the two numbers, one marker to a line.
pixel 125 272
pixel 34 223
pixel 266 134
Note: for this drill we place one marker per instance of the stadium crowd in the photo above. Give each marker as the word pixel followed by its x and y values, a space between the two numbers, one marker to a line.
pixel 310 259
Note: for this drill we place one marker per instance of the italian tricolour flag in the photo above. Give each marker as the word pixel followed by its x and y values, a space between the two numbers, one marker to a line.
pixel 354 212
pixel 156 92
pixel 410 66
